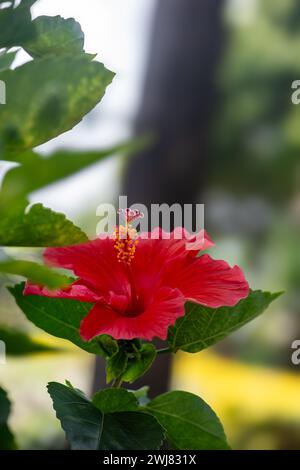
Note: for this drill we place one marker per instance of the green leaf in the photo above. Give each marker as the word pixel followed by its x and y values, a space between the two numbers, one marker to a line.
pixel 112 400
pixel 202 326
pixel 47 97
pixel 35 272
pixel 108 345
pixel 130 362
pixel 80 420
pixel 131 430
pixel 18 343
pixel 116 365
pixel 7 441
pixel 190 424
pixel 87 428
pixel 140 363
pixel 15 25
pixel 58 317
pixel 55 36
pixel 6 59
pixel 78 392
pixel 18 181
pixel 39 226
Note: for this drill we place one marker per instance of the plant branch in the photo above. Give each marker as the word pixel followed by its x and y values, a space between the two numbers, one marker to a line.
pixel 117 383
pixel 163 351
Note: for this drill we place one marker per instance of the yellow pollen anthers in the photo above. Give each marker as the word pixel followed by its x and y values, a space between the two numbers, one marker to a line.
pixel 125 243
pixel 126 236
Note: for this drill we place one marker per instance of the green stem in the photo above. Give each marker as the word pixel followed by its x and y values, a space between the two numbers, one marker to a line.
pixel 137 352
pixel 117 383
pixel 163 351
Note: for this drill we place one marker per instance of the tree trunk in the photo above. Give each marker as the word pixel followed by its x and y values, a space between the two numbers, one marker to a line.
pixel 176 107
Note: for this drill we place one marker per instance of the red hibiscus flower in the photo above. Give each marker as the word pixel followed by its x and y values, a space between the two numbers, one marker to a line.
pixel 139 285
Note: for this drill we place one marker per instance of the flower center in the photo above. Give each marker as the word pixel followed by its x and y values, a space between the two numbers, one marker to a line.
pixel 126 236
pixel 125 245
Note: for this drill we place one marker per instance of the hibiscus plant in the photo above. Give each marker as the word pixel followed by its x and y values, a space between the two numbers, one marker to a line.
pixel 123 290
pixel 131 288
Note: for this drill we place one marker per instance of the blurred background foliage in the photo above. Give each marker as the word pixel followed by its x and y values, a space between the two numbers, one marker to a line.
pixel 252 212
pixel 255 211
pixel 255 189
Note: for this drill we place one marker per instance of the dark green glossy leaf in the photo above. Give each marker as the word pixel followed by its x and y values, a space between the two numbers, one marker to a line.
pixel 190 424
pixel 18 343
pixel 38 226
pixel 76 390
pixel 58 317
pixel 4 407
pixel 80 420
pixel 112 400
pixel 47 97
pixel 201 326
pixel 35 272
pixel 140 363
pixel 7 441
pixel 87 428
pixel 55 36
pixel 131 430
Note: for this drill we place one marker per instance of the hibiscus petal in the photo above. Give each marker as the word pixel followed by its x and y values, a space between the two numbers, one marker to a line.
pixel 207 281
pixel 166 306
pixel 190 243
pixel 95 262
pixel 176 243
pixel 154 253
pixel 74 291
